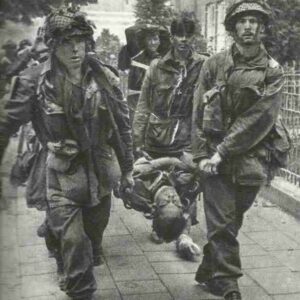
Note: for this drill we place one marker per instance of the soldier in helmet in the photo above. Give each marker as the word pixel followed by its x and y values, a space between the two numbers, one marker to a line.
pixel 81 120
pixel 148 38
pixel 238 140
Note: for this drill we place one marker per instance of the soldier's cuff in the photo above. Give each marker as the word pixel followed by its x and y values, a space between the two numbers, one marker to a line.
pixel 222 151
pixel 199 156
pixel 3 144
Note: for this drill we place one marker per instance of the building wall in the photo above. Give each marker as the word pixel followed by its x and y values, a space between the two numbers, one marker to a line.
pixel 115 15
pixel 115 5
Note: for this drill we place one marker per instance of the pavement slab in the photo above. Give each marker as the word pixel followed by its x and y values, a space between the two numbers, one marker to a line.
pixel 260 261
pixel 183 286
pixel 39 285
pixel 109 294
pixel 289 258
pixel 278 280
pixel 155 296
pixel 104 278
pixel 244 239
pixel 254 292
pixel 125 268
pixel 181 267
pixel 141 287
pixel 120 245
pixel 274 240
pixel 253 223
pixel 159 256
pixel 287 297
pixel 33 254
pixel 252 250
pixel 145 243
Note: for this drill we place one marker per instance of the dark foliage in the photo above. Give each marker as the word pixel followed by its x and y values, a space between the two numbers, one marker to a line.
pixel 108 46
pixel 156 12
pixel 283 35
pixel 25 10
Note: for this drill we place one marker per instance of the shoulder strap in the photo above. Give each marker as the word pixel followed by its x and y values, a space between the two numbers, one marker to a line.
pixel 139 65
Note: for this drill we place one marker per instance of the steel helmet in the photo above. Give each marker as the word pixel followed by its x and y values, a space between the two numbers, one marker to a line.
pixel 240 7
pixel 66 22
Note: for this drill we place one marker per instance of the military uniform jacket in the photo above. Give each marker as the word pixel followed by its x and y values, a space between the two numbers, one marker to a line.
pixel 78 127
pixel 139 65
pixel 162 121
pixel 249 107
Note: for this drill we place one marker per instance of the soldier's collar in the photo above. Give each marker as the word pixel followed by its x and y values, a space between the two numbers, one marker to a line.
pixel 47 65
pixel 236 52
pixel 259 60
pixel 169 62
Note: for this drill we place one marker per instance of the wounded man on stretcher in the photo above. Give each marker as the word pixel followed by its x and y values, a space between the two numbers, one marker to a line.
pixel 166 190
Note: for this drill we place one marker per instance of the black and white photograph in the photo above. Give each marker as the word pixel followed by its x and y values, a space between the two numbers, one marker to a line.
pixel 149 149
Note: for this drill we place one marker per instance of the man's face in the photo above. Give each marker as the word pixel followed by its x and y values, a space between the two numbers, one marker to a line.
pixel 70 51
pixel 168 202
pixel 182 44
pixel 152 42
pixel 248 30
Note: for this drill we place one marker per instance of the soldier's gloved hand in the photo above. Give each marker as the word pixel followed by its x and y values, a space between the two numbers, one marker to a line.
pixel 126 182
pixel 186 247
pixel 215 161
pixel 205 165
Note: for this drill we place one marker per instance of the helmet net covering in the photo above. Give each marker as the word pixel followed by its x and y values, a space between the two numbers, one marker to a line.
pixel 243 7
pixel 67 22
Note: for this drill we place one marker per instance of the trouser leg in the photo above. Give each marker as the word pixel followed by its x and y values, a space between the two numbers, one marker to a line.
pixel 95 221
pixel 224 206
pixel 66 223
pixel 245 196
pixel 52 243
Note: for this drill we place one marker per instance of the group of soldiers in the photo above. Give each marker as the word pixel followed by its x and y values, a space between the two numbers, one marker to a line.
pixel 191 124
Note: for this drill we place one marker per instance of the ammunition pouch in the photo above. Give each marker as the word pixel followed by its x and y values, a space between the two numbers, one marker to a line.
pixel 278 143
pixel 213 117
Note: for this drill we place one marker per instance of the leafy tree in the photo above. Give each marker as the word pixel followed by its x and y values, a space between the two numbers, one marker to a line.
pixel 25 10
pixel 108 46
pixel 155 12
pixel 283 35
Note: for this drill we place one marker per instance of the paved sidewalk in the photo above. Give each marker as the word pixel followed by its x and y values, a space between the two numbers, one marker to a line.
pixel 137 269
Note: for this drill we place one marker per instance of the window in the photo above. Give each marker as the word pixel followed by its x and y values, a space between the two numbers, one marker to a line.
pixel 217 38
pixel 210 26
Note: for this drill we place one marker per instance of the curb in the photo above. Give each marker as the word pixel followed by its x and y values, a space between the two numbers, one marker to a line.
pixel 284 194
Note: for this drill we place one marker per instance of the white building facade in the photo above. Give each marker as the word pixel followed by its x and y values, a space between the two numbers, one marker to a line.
pixel 115 15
